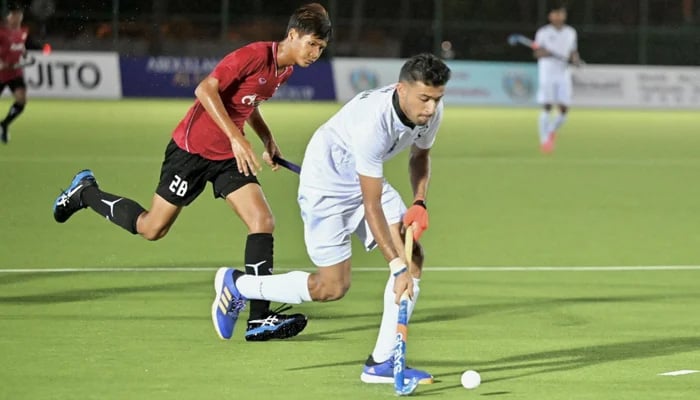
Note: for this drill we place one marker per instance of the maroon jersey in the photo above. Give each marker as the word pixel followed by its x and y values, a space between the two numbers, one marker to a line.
pixel 12 46
pixel 247 77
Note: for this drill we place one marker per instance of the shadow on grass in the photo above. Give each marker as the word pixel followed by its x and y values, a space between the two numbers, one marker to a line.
pixel 466 310
pixel 12 278
pixel 545 362
pixel 76 295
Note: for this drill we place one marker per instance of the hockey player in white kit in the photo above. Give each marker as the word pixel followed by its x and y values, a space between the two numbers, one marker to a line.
pixel 342 191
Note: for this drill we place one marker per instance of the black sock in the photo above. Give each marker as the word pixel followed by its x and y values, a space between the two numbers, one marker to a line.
pixel 14 112
pixel 258 261
pixel 122 211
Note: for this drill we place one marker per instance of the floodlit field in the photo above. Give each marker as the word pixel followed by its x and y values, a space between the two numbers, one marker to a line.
pixel 88 311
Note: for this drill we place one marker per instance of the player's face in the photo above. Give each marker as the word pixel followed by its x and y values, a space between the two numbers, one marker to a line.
pixel 419 101
pixel 14 19
pixel 557 17
pixel 307 48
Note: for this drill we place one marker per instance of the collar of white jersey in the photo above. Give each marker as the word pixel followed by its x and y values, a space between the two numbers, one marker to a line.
pixel 402 117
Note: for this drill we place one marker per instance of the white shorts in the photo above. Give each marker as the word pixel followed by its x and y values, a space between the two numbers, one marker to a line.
pixel 329 221
pixel 555 90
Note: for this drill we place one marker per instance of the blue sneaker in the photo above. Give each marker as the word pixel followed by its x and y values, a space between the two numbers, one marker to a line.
pixel 374 372
pixel 69 202
pixel 227 303
pixel 275 325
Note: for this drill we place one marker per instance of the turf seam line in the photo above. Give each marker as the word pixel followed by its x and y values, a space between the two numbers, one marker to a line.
pixel 611 268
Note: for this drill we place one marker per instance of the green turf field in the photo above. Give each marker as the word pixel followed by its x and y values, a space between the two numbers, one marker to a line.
pixel 620 190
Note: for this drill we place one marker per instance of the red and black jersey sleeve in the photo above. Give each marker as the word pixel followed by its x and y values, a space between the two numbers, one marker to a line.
pixel 236 66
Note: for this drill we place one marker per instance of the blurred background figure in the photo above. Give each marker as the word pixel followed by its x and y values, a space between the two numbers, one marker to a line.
pixel 556 47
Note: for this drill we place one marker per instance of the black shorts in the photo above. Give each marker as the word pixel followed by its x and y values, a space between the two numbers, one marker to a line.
pixel 184 175
pixel 13 84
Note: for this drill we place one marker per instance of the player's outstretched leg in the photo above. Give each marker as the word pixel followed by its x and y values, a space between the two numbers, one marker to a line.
pixel 69 202
pixel 228 303
pixel 276 325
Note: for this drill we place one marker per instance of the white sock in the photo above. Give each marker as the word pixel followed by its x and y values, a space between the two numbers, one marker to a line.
pixel 291 287
pixel 544 126
pixel 557 123
pixel 386 339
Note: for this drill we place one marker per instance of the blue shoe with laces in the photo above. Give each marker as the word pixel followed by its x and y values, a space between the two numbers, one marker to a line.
pixel 228 303
pixel 374 372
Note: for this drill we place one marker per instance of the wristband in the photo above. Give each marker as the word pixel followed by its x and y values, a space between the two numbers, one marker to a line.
pixel 420 203
pixel 397 267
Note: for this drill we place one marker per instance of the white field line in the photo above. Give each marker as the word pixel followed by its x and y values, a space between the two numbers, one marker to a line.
pixel 377 269
pixel 680 372
pixel 466 159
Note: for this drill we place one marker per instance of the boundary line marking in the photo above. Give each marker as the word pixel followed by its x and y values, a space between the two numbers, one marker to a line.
pixel 679 372
pixel 611 268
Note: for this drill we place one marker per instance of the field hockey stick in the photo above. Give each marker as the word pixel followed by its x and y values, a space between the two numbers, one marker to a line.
pixel 401 387
pixel 518 39
pixel 25 61
pixel 287 164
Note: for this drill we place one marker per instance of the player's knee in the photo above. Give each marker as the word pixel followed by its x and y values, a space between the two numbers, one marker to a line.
pixel 151 231
pixel 330 290
pixel 153 235
pixel 263 222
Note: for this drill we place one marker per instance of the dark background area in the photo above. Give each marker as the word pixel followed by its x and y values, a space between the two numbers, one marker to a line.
pixel 664 32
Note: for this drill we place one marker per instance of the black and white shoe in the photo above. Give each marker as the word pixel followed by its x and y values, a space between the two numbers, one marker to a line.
pixel 69 202
pixel 276 325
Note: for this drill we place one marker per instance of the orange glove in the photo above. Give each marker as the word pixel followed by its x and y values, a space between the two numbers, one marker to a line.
pixel 417 216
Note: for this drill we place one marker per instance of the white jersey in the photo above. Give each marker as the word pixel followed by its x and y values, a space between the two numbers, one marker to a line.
pixel 562 42
pixel 367 131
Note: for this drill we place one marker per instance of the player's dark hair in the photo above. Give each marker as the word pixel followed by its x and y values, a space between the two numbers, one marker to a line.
pixel 311 19
pixel 425 68
pixel 15 7
pixel 558 6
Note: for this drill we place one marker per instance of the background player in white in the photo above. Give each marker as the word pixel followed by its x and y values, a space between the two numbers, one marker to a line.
pixel 556 43
pixel 342 191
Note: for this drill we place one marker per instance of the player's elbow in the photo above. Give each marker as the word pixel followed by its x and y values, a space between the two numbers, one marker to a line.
pixel 205 88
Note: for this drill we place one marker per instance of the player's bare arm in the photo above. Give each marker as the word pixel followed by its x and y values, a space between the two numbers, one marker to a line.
pixel 575 58
pixel 207 92
pixel 541 52
pixel 419 170
pixel 374 214
pixel 419 173
pixel 258 124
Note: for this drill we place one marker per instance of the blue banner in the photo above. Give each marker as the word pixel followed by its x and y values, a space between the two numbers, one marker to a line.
pixel 179 76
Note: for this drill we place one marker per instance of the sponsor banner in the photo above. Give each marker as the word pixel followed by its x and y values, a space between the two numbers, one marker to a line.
pixel 488 83
pixel 84 75
pixel 478 83
pixel 314 82
pixel 354 75
pixel 636 86
pixel 165 76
